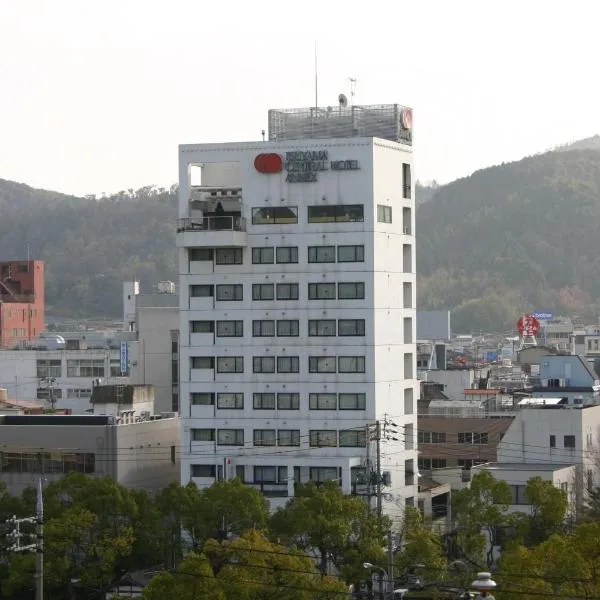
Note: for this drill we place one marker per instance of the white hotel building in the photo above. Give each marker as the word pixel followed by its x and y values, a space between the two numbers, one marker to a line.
pixel 297 300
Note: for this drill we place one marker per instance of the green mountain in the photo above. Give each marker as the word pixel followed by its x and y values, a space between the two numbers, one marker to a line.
pixel 512 238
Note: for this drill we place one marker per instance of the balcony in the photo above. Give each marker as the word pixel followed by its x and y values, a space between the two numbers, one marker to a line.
pixel 212 232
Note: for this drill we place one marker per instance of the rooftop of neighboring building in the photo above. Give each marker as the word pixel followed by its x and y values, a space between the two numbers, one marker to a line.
pixel 545 467
pixel 122 394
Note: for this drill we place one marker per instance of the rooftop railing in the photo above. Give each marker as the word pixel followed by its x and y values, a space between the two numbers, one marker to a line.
pixel 221 223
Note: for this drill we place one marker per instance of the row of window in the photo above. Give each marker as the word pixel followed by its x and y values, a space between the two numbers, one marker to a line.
pixel 77 367
pixel 441 463
pixel 281 401
pixel 234 292
pixel 282 328
pixel 281 364
pixel 288 215
pixel 568 441
pixel 317 438
pixel 468 437
pixel 268 255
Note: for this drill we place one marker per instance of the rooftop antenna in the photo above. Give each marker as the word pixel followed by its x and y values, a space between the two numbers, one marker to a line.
pixel 316 79
pixel 352 81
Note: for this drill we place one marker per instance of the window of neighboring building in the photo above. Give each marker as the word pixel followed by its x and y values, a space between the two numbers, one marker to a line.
pixel 85 367
pixel 288 401
pixel 263 291
pixel 321 327
pixel 229 256
pixel 287 291
pixel 323 474
pixel 288 364
pixel 353 401
pixel 408 401
pixel 230 328
pixel 229 400
pixel 569 441
pixel 552 441
pixel 230 292
pixel 339 213
pixel 202 398
pixel 48 368
pixel 351 364
pixel 321 364
pixel 352 438
pixel 322 438
pixel 48 393
pixel 472 438
pixel 202 291
pixel 288 437
pixel 286 254
pixel 202 362
pixel 203 470
pixel 267 474
pixel 321 254
pixel 203 435
pixel 351 253
pixel 202 326
pixel 263 328
pixel 384 213
pixel 230 364
pixel 230 437
pixel 263 256
pixel 351 327
pixel 280 215
pixel 264 401
pixel 322 401
pixel 432 463
pixel 288 328
pixel 321 291
pixel 263 364
pixel 406 181
pixel 351 290
pixel 265 437
pixel 201 254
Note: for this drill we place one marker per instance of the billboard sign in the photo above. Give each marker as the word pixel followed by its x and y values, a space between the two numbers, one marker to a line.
pixel 543 316
pixel 124 356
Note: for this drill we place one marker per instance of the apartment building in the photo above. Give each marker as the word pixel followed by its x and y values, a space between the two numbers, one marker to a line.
pixel 297 302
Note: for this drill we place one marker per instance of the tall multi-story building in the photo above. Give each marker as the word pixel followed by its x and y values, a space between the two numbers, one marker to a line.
pixel 297 304
pixel 21 301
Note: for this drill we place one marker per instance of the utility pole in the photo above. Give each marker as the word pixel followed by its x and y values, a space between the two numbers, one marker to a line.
pixel 37 546
pixel 390 557
pixel 373 434
pixel 379 509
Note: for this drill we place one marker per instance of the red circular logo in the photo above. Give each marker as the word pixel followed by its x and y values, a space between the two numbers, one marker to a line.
pixel 406 118
pixel 268 163
pixel 528 325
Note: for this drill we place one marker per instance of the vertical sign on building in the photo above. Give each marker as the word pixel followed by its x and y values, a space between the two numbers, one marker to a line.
pixel 124 357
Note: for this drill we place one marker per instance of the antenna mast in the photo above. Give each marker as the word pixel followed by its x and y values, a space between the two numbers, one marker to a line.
pixel 352 81
pixel 316 79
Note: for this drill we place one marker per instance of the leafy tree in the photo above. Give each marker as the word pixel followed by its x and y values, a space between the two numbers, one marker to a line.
pixel 480 512
pixel 548 509
pixel 335 526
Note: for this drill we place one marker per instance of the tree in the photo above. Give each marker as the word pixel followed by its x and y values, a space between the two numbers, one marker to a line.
pixel 480 512
pixel 335 526
pixel 548 509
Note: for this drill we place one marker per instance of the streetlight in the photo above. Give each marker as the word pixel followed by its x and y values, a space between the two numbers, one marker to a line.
pixel 368 565
pixel 484 584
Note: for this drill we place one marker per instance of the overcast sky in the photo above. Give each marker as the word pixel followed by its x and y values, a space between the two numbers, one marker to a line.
pixel 95 97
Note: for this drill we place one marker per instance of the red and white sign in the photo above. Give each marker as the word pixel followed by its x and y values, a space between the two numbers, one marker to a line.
pixel 268 163
pixel 528 326
pixel 406 118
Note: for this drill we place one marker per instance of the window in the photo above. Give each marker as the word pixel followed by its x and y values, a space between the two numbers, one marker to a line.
pixel 288 401
pixel 45 393
pixel 286 254
pixel 263 328
pixel 263 291
pixel 351 291
pixel 323 474
pixel 323 438
pixel 287 291
pixel 408 365
pixel 408 330
pixel 356 401
pixel 263 256
pixel 288 364
pixel 262 401
pixel 406 181
pixel 321 327
pixel 203 470
pixel 203 435
pixel 230 437
pixel 407 265
pixel 288 437
pixel 552 441
pixel 407 294
pixel 432 463
pixel 517 493
pixel 85 367
pixel 266 474
pixel 49 368
pixel 265 437
pixel 480 438
pixel 472 438
pixel 408 401
pixel 201 254
pixel 202 291
pixel 230 292
pixel 322 401
pixel 351 253
pixel 384 213
pixel 339 213
pixel 321 364
pixel 202 399
pixel 202 326
pixel 351 327
pixel 230 328
pixel 79 393
pixel 321 254
pixel 352 438
pixel 351 364
pixel 229 256
pixel 431 437
pixel 228 400
pixel 569 441
pixel 230 364
pixel 202 362
pixel 288 328
pixel 263 364
pixel 280 215
pixel 406 220
pixel 321 291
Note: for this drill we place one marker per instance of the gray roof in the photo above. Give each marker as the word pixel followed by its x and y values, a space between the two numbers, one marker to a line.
pixel 499 466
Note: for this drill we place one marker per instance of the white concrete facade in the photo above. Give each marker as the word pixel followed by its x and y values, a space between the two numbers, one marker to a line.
pixel 312 428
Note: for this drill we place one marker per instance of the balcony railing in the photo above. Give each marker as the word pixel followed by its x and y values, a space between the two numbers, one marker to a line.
pixel 224 223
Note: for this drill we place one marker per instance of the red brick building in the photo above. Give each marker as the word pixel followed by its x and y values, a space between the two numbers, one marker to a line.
pixel 21 301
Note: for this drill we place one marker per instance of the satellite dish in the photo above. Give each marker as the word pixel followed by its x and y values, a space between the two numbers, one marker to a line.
pixel 343 100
